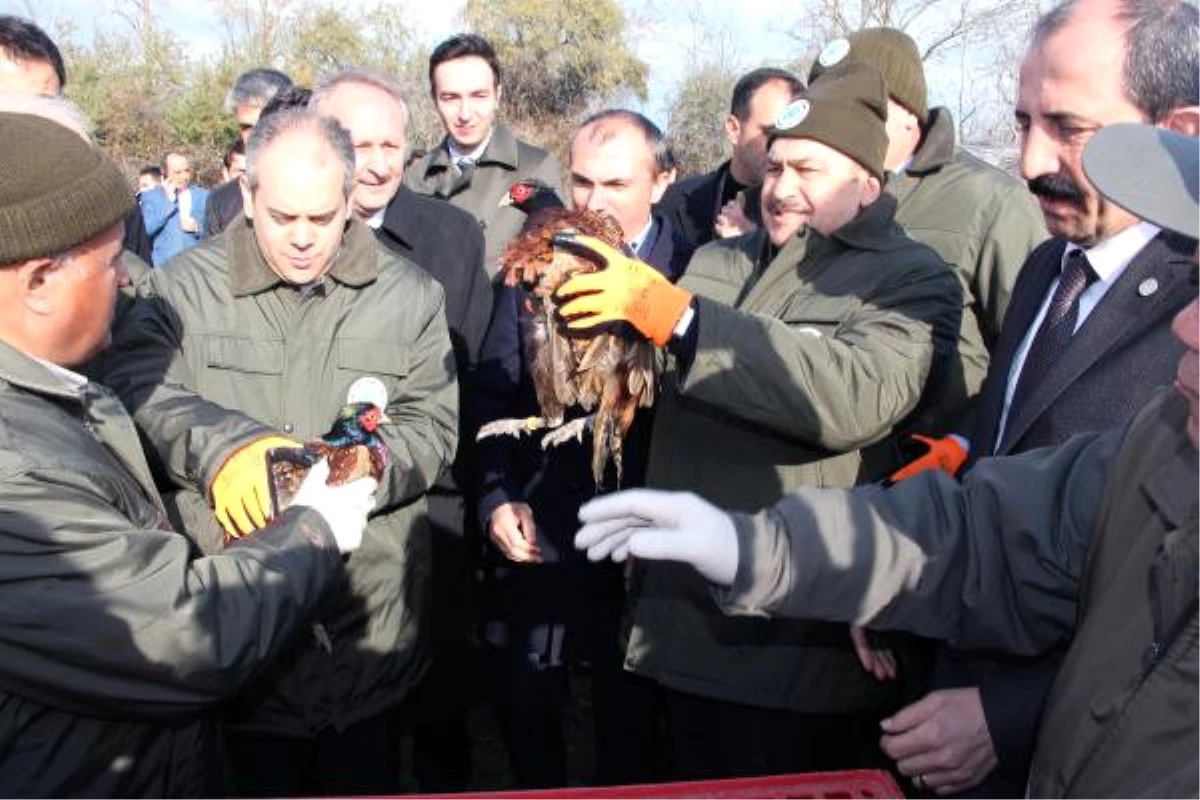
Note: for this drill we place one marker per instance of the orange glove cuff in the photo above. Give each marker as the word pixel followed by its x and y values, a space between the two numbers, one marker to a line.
pixel 657 309
pixel 945 454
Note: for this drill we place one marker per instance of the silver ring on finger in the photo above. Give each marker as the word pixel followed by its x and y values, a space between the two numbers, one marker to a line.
pixel 919 782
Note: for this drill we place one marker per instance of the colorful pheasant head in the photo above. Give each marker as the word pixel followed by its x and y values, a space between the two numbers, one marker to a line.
pixel 531 196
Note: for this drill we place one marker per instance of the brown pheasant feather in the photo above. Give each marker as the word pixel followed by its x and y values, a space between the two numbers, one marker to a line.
pixel 606 373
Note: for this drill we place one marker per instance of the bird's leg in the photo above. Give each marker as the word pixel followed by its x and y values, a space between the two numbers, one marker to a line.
pixel 512 427
pixel 571 430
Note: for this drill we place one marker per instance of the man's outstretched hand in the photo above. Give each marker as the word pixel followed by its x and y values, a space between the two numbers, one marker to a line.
pixel 661 526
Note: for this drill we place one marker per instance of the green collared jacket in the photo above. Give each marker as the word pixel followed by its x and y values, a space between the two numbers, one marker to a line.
pixel 808 362
pixel 220 351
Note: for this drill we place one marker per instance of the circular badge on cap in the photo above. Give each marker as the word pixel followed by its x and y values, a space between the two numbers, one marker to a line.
pixel 792 115
pixel 833 52
pixel 368 390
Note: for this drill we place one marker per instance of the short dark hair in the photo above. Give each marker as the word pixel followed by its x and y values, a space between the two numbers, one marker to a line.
pixel 256 86
pixel 286 99
pixel 1161 70
pixel 464 45
pixel 24 41
pixel 271 127
pixel 153 170
pixel 747 85
pixel 236 148
pixel 664 158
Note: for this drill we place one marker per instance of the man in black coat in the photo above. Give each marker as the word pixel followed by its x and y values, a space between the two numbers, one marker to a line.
pixel 249 95
pixel 1085 342
pixel 546 606
pixel 725 202
pixel 447 243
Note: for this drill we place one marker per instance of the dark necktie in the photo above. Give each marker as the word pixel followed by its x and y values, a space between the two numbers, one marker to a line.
pixel 1054 334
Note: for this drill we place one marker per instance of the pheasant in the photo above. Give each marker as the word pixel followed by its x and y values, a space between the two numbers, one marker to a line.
pixel 532 197
pixel 352 445
pixel 609 373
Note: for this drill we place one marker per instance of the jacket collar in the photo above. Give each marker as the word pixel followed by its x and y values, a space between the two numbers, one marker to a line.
pixel 501 150
pixel 872 229
pixel 22 370
pixel 936 149
pixel 356 262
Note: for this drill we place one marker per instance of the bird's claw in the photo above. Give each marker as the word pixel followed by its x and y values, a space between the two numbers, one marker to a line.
pixel 510 427
pixel 564 433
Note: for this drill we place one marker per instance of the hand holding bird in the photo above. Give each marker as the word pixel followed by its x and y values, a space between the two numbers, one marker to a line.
pixel 352 446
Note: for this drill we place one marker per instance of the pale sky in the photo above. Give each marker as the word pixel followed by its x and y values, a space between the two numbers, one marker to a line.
pixel 664 33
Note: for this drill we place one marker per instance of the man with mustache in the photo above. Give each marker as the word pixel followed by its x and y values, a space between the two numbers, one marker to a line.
pixel 1085 342
pixel 1091 545
pixel 795 349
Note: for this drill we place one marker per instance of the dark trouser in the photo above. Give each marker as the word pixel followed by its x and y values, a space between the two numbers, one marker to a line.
pixel 531 700
pixel 361 760
pixel 441 743
pixel 714 739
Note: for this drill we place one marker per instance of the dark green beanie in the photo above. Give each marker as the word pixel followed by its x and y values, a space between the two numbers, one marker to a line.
pixel 890 51
pixel 56 190
pixel 845 109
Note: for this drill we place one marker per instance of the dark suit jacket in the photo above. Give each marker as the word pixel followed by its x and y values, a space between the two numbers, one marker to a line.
pixel 1119 358
pixel 224 206
pixel 527 608
pixel 446 242
pixel 692 206
pixel 136 241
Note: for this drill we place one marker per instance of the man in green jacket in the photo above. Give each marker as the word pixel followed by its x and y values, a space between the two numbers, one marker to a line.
pixel 981 221
pixel 799 353
pixel 260 336
pixel 120 640
pixel 1093 543
pixel 477 162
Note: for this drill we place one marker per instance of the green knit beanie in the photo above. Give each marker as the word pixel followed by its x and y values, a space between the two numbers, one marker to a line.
pixel 890 51
pixel 56 190
pixel 845 109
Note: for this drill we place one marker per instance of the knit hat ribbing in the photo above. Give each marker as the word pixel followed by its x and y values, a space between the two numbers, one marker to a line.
pixel 56 190
pixel 845 109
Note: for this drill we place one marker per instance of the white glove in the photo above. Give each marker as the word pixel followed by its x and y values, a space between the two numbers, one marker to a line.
pixel 661 526
pixel 345 508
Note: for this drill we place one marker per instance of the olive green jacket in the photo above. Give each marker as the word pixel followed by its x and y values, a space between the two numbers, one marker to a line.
pixel 120 641
pixel 982 222
pixel 219 351
pixel 1093 543
pixel 801 363
pixel 504 161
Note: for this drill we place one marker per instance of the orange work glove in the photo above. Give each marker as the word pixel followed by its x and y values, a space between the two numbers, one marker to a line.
pixel 241 492
pixel 945 454
pixel 626 290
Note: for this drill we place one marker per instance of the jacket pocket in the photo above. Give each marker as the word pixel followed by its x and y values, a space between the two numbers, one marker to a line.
pixel 245 355
pixel 372 357
pixel 360 360
pixel 243 373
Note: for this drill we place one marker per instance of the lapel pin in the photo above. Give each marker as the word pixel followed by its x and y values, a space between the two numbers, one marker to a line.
pixel 1148 287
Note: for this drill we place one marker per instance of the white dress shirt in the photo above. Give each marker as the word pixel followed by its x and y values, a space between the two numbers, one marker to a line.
pixel 1108 260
